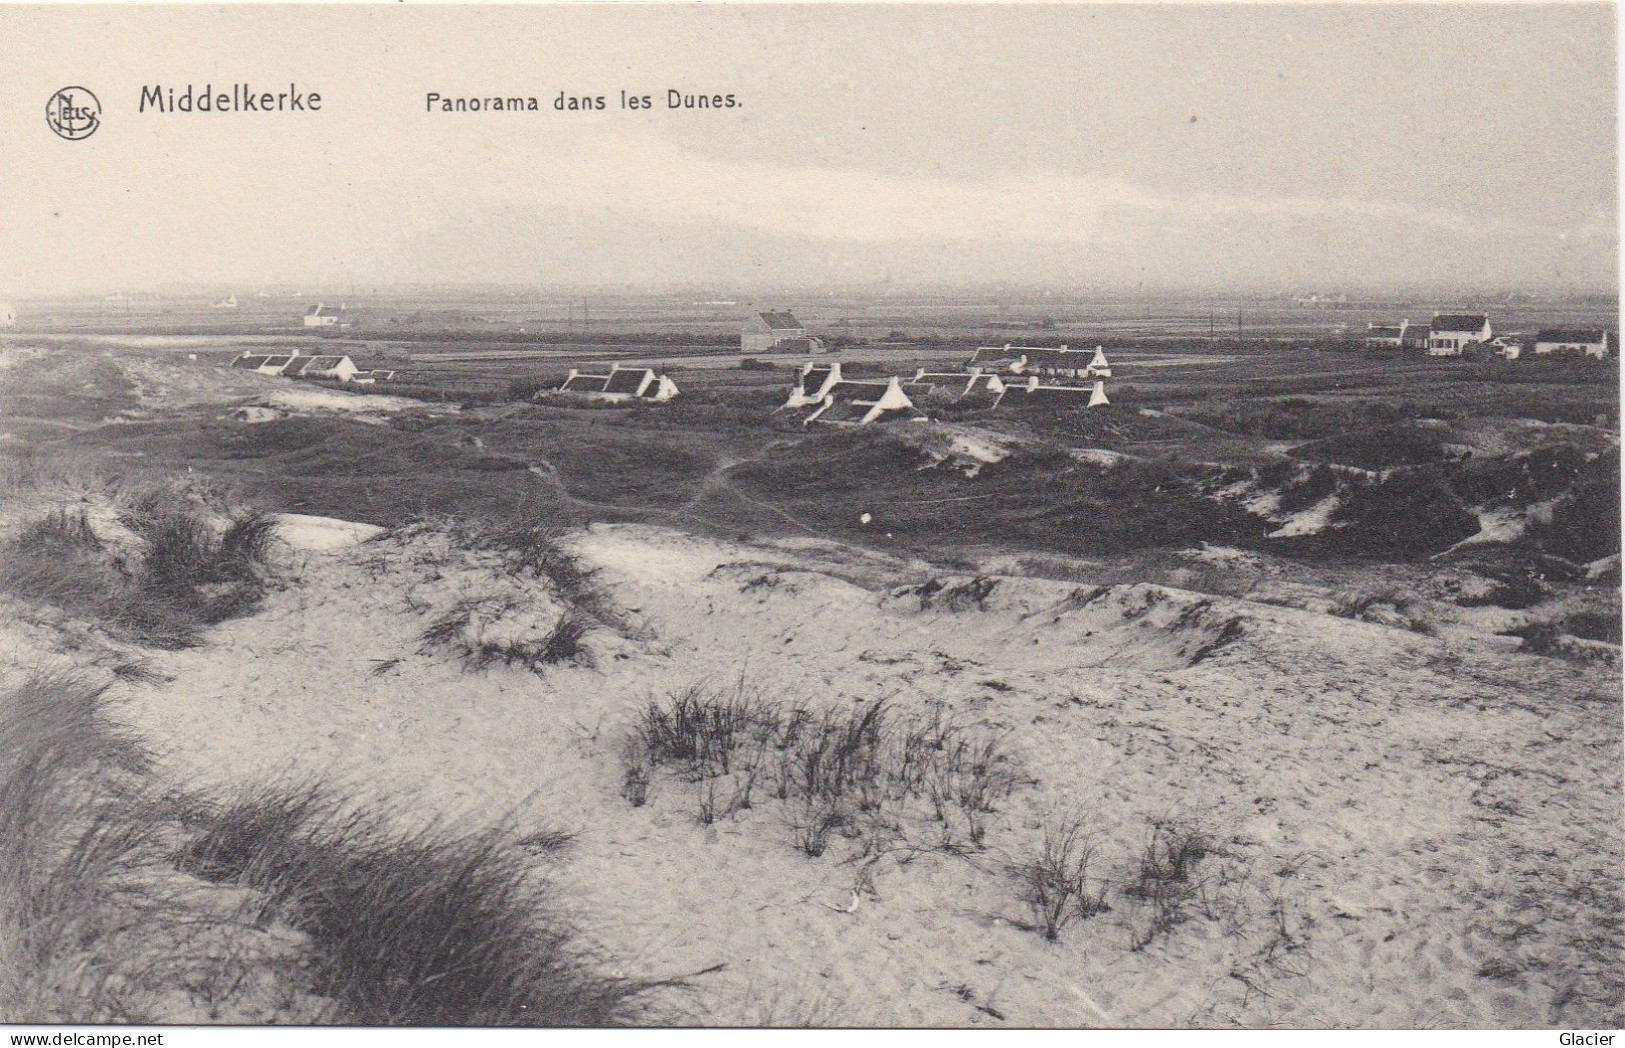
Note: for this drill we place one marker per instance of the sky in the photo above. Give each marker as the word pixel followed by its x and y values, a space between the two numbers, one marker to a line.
pixel 1185 146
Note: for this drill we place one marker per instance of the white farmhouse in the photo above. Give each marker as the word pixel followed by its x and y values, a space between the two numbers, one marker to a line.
pixel 1450 333
pixel 1593 342
pixel 765 331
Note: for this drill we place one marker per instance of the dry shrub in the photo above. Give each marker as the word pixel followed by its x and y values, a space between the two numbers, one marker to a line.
pixel 1056 883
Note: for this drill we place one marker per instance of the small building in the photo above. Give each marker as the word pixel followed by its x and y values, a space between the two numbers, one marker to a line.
pixel 1385 336
pixel 276 364
pixel 813 383
pixel 619 385
pixel 766 331
pixel 1061 362
pixel 337 368
pixel 1064 363
pixel 1004 358
pixel 229 302
pixel 323 316
pixel 1450 333
pixel 985 389
pixel 368 378
pixel 860 403
pixel 1415 336
pixel 1033 392
pixel 1592 342
pixel 977 388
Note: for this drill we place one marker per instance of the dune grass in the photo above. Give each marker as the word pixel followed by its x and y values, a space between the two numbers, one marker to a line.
pixel 858 772
pixel 121 903
pixel 181 577
pixel 69 788
pixel 427 926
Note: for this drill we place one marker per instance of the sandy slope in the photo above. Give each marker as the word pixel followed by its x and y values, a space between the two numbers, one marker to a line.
pixel 1434 826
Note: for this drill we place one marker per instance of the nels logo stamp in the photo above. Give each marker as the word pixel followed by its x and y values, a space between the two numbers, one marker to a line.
pixel 73 113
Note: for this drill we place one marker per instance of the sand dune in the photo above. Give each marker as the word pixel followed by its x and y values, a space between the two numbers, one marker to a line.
pixel 1420 834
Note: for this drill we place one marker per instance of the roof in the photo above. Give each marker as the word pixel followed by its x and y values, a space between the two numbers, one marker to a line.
pixel 1418 330
pixel 1384 330
pixel 251 363
pixel 814 377
pixel 1589 336
pixel 320 364
pixel 585 383
pixel 1050 394
pixel 844 412
pixel 1459 322
pixel 627 380
pixel 780 321
pixel 320 310
pixel 278 362
pixel 860 392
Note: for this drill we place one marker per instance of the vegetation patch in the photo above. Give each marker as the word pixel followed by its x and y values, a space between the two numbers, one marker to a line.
pixel 432 926
pixel 286 902
pixel 867 773
pixel 182 576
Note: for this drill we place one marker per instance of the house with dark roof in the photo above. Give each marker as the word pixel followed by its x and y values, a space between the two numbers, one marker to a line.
pixel 1385 336
pixel 1058 363
pixel 813 383
pixel 1033 393
pixel 765 332
pixel 1450 333
pixel 997 358
pixel 323 316
pixel 276 365
pixel 860 403
pixel 985 389
pixel 980 388
pixel 1591 342
pixel 1415 336
pixel 1065 363
pixel 338 368
pixel 619 385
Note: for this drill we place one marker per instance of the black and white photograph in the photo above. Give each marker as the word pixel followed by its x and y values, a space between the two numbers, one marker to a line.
pixel 867 516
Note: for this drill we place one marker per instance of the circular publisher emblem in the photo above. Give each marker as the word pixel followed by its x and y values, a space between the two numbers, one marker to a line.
pixel 73 113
